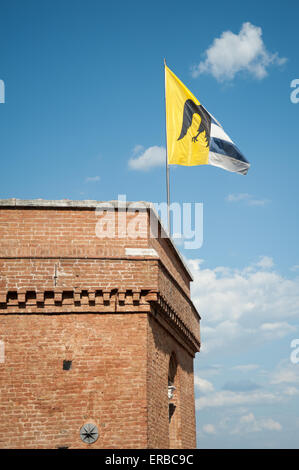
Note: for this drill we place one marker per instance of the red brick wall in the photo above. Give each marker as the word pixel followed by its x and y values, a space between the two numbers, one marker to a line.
pixel 63 232
pixel 167 255
pixel 77 273
pixel 119 348
pixel 42 405
pixel 160 346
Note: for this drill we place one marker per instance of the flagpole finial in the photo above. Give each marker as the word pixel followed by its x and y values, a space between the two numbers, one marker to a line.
pixel 164 61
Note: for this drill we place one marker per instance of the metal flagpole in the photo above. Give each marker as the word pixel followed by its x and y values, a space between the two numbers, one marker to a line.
pixel 167 166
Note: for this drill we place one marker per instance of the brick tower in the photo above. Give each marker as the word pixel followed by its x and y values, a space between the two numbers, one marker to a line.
pixel 97 330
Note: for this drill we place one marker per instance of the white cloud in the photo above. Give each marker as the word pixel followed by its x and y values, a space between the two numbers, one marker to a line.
pixel 92 179
pixel 286 373
pixel 247 198
pixel 257 202
pixel 265 262
pixel 233 53
pixel 295 267
pixel 240 385
pixel 237 197
pixel 249 423
pixel 137 149
pixel 149 158
pixel 291 391
pixel 269 424
pixel 247 418
pixel 209 429
pixel 275 330
pixel 225 398
pixel 243 307
pixel 246 367
pixel 203 385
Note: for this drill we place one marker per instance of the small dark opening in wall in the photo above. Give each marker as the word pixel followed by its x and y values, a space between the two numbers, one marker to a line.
pixel 171 409
pixel 62 448
pixel 67 365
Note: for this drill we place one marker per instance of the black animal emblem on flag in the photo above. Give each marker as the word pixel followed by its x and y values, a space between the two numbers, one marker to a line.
pixel 190 108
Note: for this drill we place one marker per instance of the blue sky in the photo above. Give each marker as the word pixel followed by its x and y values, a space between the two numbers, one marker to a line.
pixel 84 94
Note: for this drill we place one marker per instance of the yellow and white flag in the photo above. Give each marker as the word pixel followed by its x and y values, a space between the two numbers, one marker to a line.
pixel 194 137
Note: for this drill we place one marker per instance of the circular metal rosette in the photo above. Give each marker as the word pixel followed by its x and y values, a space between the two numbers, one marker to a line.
pixel 89 433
